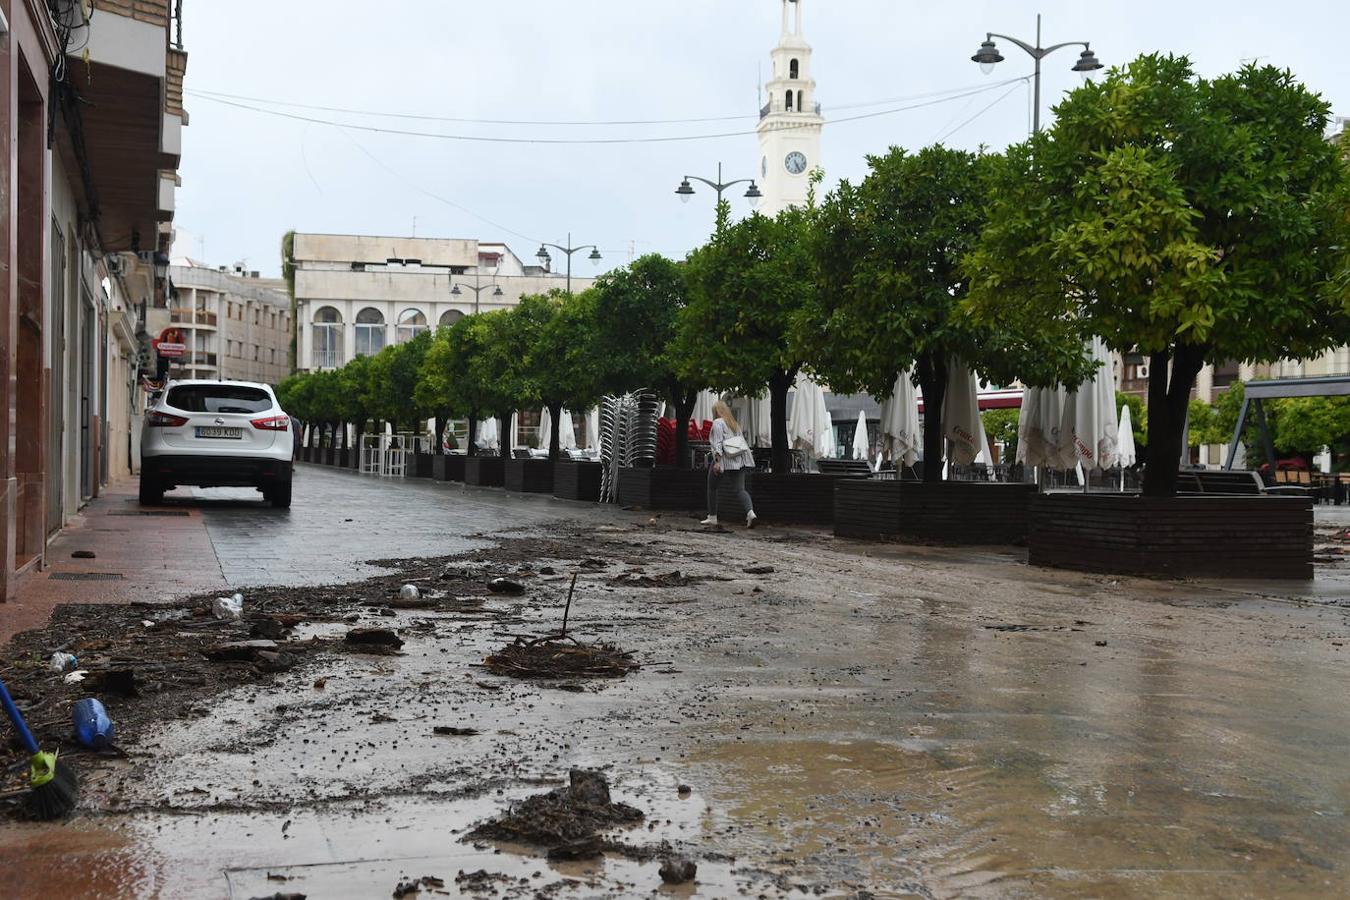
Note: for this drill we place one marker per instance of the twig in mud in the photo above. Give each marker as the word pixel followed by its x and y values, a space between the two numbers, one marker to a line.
pixel 568 608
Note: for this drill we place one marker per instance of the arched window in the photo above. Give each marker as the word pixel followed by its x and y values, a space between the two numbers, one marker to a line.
pixel 370 331
pixel 794 71
pixel 327 344
pixel 801 103
pixel 451 316
pixel 411 323
pixel 789 101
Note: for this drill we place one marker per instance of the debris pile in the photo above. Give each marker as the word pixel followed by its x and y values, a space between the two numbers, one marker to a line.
pixel 568 819
pixel 558 657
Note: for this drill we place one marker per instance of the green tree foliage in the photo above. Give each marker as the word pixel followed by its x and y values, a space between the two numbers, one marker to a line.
pixel 1307 424
pixel 563 359
pixel 1197 220
pixel 747 288
pixel 497 366
pixel 888 251
pixel 637 311
pixel 1000 425
pixel 392 380
pixel 354 391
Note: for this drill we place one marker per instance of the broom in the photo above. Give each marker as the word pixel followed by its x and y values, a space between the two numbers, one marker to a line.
pixel 53 787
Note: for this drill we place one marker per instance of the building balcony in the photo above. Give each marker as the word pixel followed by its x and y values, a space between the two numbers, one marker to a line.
pixel 199 358
pixel 184 315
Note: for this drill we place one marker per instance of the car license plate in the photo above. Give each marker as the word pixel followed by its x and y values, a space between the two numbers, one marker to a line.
pixel 212 431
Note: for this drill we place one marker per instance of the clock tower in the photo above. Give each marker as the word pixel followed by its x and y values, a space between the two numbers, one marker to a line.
pixel 790 123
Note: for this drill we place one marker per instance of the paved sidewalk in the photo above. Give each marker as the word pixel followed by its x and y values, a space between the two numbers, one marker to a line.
pixel 139 554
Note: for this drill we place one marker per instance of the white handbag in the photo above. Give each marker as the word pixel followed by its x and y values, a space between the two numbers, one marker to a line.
pixel 734 445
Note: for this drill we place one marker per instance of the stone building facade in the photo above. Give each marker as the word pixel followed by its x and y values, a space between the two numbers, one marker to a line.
pixel 236 325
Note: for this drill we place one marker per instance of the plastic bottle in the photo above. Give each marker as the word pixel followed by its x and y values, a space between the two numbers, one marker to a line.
pixel 62 661
pixel 93 728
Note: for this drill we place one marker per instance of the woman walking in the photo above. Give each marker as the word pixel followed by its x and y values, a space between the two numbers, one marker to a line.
pixel 731 456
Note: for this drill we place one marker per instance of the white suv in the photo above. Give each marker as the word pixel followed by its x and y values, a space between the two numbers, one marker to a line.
pixel 216 434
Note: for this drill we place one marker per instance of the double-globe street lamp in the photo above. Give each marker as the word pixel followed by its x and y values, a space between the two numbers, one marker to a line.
pixel 988 57
pixel 686 190
pixel 477 289
pixel 569 250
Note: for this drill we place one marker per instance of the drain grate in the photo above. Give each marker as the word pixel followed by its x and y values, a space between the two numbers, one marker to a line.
pixel 151 512
pixel 86 576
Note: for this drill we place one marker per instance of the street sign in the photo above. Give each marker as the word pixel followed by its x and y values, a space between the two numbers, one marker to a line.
pixel 171 351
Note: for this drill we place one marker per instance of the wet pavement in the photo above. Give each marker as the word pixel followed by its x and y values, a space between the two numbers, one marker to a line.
pixel 865 720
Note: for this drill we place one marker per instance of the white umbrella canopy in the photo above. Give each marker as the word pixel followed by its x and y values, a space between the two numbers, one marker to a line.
pixel 593 429
pixel 488 437
pixel 861 445
pixel 1126 455
pixel 810 426
pixel 900 438
pixel 1088 430
pixel 567 431
pixel 757 426
pixel 703 408
pixel 961 424
pixel 546 428
pixel 1038 426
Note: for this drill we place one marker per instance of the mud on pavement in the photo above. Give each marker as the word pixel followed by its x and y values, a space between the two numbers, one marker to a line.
pixel 849 720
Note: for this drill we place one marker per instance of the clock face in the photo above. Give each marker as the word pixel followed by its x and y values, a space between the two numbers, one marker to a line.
pixel 795 162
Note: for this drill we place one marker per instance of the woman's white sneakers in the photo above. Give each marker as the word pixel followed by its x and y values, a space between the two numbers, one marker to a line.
pixel 750 518
pixel 711 520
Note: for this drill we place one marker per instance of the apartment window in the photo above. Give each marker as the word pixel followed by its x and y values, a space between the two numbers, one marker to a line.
pixel 411 323
pixel 327 338
pixel 370 331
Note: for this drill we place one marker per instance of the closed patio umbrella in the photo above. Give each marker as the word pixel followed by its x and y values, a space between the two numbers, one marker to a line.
pixel 703 408
pixel 593 429
pixel 546 428
pixel 900 438
pixel 961 424
pixel 1088 432
pixel 1126 455
pixel 488 437
pixel 810 426
pixel 567 432
pixel 860 443
pixel 1038 426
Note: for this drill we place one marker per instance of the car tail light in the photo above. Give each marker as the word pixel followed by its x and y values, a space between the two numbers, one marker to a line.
pixel 272 423
pixel 156 419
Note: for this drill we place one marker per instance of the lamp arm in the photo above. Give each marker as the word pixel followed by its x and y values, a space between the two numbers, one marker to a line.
pixel 1048 50
pixel 1034 52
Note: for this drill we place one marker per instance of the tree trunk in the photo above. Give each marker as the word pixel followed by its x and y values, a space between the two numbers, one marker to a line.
pixel 779 384
pixel 504 450
pixel 438 440
pixel 555 426
pixel 683 400
pixel 932 371
pixel 472 449
pixel 1169 396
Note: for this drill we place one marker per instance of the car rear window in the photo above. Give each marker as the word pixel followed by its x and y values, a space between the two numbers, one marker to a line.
pixel 218 398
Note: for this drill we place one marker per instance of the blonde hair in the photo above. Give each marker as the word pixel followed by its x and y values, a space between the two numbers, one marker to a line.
pixel 723 412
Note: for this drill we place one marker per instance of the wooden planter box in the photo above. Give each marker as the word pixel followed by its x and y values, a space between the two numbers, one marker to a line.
pixel 344 458
pixel 798 497
pixel 953 512
pixel 1216 536
pixel 484 471
pixel 529 476
pixel 421 465
pixel 326 455
pixel 577 480
pixel 868 509
pixel 306 454
pixel 448 467
pixel 663 487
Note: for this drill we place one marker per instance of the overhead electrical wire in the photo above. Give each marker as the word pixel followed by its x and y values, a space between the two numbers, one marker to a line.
pixel 555 123
pixel 997 100
pixel 661 139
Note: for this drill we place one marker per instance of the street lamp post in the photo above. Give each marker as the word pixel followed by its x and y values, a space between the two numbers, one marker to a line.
pixel 988 57
pixel 476 288
pixel 569 250
pixel 686 190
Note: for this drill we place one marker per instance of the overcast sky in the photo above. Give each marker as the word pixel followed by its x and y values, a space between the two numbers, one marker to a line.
pixel 250 176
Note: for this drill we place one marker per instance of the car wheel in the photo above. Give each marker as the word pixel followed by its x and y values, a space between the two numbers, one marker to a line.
pixel 279 494
pixel 152 492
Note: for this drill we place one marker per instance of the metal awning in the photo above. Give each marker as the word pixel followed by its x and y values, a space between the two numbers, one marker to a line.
pixel 1256 392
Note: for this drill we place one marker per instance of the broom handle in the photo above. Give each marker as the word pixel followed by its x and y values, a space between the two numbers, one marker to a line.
pixel 14 716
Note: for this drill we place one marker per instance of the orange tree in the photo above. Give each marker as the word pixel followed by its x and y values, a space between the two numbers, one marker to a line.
pixel 1194 219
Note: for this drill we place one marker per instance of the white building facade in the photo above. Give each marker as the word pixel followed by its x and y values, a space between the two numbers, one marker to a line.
pixel 357 294
pixel 235 324
pixel 790 123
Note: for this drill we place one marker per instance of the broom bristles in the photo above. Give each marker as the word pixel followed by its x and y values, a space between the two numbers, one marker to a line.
pixel 56 799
